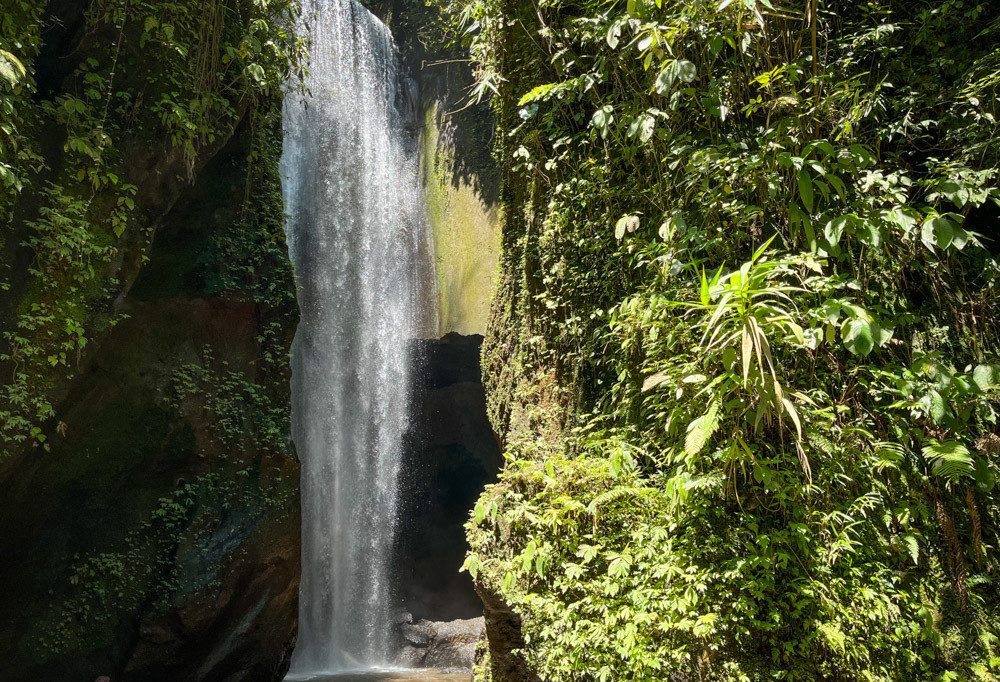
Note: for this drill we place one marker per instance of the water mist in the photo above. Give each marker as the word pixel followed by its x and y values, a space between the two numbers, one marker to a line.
pixel 356 236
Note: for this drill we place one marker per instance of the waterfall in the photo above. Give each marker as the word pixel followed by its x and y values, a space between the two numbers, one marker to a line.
pixel 356 236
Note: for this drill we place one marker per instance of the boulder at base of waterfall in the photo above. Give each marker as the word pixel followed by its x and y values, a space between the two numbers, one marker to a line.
pixel 448 646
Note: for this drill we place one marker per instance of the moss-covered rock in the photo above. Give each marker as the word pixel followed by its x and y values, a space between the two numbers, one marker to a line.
pixel 154 534
pixel 464 229
pixel 460 177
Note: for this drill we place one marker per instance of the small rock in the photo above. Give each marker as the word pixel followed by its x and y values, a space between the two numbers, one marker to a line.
pixel 446 646
pixel 417 634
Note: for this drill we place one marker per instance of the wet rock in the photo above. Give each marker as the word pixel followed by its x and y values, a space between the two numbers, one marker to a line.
pixel 450 455
pixel 448 646
pixel 504 639
pixel 417 634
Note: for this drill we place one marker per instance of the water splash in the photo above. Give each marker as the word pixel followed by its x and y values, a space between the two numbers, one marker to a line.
pixel 357 239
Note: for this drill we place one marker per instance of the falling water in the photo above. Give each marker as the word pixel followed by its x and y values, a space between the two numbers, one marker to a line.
pixel 356 237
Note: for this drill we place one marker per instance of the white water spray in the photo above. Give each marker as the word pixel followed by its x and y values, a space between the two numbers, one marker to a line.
pixel 356 236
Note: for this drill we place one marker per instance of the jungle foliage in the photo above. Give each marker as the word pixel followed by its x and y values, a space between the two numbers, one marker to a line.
pixel 150 89
pixel 109 112
pixel 744 349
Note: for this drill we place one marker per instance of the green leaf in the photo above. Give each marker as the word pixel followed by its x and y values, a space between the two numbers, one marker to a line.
pixel 746 348
pixel 643 126
pixel 912 547
pixel 944 231
pixel 701 429
pixel 627 223
pixel 11 68
pixel 538 93
pixel 620 228
pixel 614 33
pixel 858 336
pixel 835 228
pixel 882 336
pixel 806 189
pixel 984 376
pixel 603 118
pixel 984 476
pixel 472 565
pixel 902 219
pixel 256 72
pixel 949 459
pixel 675 70
pixel 686 71
pixel 653 380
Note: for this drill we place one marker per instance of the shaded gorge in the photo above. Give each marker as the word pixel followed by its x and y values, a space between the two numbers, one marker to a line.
pixel 392 432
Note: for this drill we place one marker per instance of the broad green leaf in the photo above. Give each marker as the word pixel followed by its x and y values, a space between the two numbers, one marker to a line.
pixel 620 227
pixel 614 33
pixel 835 228
pixel 472 565
pixel 869 233
pixel 686 71
pixel 858 336
pixel 806 189
pixel 674 70
pixel 881 336
pixel 960 238
pixel 902 219
pixel 938 408
pixel 984 476
pixel 602 118
pixel 984 376
pixel 653 380
pixel 944 231
pixel 11 68
pixel 643 126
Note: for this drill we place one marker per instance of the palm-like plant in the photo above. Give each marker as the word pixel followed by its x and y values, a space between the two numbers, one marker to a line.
pixel 741 311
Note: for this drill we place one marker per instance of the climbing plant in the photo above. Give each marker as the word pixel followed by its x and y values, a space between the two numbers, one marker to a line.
pixel 744 350
pixel 158 87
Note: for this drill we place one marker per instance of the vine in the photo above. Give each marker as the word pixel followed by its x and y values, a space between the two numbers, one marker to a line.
pixel 744 354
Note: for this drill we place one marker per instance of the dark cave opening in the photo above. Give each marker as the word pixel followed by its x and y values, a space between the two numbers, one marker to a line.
pixel 450 454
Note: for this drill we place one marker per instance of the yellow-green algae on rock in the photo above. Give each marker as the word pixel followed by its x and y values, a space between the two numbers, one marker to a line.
pixel 464 228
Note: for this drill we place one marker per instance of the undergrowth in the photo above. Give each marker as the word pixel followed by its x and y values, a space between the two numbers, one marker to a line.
pixel 744 350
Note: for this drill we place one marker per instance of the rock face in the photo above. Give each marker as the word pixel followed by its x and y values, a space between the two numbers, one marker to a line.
pixel 451 454
pixel 460 177
pixel 157 538
pixel 503 639
pixel 445 646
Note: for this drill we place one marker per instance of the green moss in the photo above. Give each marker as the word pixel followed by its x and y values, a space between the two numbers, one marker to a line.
pixel 665 509
pixel 465 231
